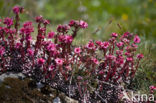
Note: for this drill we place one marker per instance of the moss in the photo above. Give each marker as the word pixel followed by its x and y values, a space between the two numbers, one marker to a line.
pixel 14 90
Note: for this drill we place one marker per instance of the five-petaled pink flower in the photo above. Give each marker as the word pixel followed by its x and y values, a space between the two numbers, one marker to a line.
pixel 90 45
pixel 39 18
pixel 30 52
pixel 51 68
pixel 140 56
pixel 8 21
pixel 72 23
pixel 137 39
pixel 120 44
pixel 114 35
pixel 16 9
pixel 51 34
pixel 27 28
pixel 105 45
pixel 59 61
pixel 95 60
pixel 152 87
pixel 65 38
pixel 83 24
pixel 63 28
pixel 99 43
pixel 51 47
pixel 40 61
pixel 129 59
pixel 77 50
pixel 46 22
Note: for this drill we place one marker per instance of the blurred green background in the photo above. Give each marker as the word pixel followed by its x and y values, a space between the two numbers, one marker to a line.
pixel 103 17
pixel 138 16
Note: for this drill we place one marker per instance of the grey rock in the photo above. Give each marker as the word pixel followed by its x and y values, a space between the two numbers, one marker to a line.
pixel 11 75
pixel 57 100
pixel 39 85
pixel 70 100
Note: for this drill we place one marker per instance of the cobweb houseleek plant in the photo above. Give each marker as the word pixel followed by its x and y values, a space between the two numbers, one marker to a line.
pixel 80 71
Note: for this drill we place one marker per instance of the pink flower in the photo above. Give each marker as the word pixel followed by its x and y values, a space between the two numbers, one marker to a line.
pixel 125 40
pixel 101 72
pixel 40 61
pixel 90 45
pixel 2 51
pixel 6 30
pixel 46 22
pixel 77 50
pixel 51 34
pixel 95 60
pixel 137 39
pixel 99 43
pixel 120 60
pixel 59 28
pixel 114 35
pixel 152 87
pixel 63 28
pixel 39 19
pixel 28 38
pixel 68 39
pixel 30 52
pixel 27 24
pixel 27 28
pixel 12 31
pixel 140 56
pixel 120 44
pixel 72 23
pixel 51 68
pixel 18 45
pixel 129 59
pixel 16 9
pixel 65 38
pixel 55 52
pixel 110 57
pixel 83 24
pixel 127 35
pixel 51 47
pixel 8 21
pixel 42 30
pixel 105 45
pixel 127 54
pixel 59 61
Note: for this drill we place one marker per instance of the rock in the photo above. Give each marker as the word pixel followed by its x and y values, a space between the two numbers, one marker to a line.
pixel 57 100
pixel 66 99
pixel 11 75
pixel 39 85
pixel 44 93
pixel 70 100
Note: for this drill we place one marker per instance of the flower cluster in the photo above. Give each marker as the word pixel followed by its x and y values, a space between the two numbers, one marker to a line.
pixel 52 59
